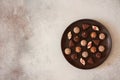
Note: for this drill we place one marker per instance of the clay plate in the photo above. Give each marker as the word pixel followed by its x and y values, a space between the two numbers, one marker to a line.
pixel 107 43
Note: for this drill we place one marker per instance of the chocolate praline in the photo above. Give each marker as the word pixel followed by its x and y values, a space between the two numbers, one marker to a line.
pixel 101 48
pixel 67 51
pixel 93 35
pixel 84 34
pixel 76 29
pixel 76 39
pixel 83 43
pixel 93 49
pixel 78 49
pixel 74 56
pixel 71 44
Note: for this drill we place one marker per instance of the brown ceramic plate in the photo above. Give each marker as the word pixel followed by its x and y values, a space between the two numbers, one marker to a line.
pixel 85 63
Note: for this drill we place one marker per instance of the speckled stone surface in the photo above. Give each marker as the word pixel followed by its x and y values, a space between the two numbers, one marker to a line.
pixel 30 38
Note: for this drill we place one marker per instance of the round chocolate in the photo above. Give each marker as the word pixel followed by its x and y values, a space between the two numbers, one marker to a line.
pixel 101 48
pixel 102 36
pixel 83 43
pixel 93 35
pixel 85 54
pixel 67 51
pixel 93 49
pixel 78 49
pixel 82 47
pixel 76 29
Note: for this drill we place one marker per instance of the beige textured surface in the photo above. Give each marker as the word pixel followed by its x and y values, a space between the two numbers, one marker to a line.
pixel 30 36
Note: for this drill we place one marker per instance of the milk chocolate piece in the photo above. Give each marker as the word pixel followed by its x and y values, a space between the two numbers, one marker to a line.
pixel 85 54
pixel 67 51
pixel 76 29
pixel 93 35
pixel 102 36
pixel 78 49
pixel 93 49
pixel 101 48
pixel 83 43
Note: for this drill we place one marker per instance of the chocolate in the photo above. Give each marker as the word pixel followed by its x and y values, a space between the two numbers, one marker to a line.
pixel 76 30
pixel 76 39
pixel 71 44
pixel 86 44
pixel 83 43
pixel 84 34
pixel 101 48
pixel 90 61
pixel 74 56
pixel 89 45
pixel 85 26
pixel 95 28
pixel 96 42
pixel 102 36
pixel 82 61
pixel 93 35
pixel 78 49
pixel 85 54
pixel 98 55
pixel 67 51
pixel 93 49
pixel 69 35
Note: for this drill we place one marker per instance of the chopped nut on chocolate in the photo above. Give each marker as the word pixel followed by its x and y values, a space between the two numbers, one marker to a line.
pixel 82 61
pixel 83 43
pixel 98 55
pixel 101 48
pixel 102 36
pixel 95 28
pixel 85 26
pixel 85 54
pixel 69 35
pixel 76 39
pixel 93 35
pixel 71 44
pixel 76 29
pixel 74 56
pixel 78 49
pixel 67 51
pixel 93 49
pixel 84 34
pixel 89 45
pixel 96 42
pixel 90 61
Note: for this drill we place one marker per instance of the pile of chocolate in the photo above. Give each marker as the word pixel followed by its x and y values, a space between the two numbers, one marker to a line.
pixel 84 45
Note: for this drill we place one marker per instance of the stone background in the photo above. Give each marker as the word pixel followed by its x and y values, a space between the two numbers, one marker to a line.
pixel 30 38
